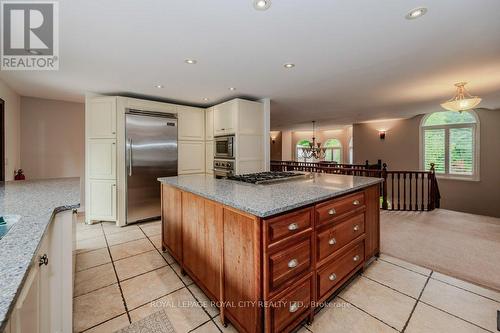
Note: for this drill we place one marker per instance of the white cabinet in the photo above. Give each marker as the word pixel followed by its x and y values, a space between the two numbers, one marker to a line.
pixel 191 157
pixel 45 301
pixel 191 123
pixel 101 117
pixel 209 124
pixel 209 157
pixel 102 199
pixel 225 118
pixel 102 158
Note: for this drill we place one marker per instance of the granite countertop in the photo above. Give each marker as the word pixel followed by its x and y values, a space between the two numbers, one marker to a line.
pixel 270 199
pixel 35 202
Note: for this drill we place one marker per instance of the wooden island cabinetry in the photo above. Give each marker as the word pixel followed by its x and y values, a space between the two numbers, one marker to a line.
pixel 267 273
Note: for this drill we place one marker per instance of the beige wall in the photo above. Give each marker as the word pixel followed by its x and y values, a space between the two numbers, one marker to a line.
pixel 400 150
pixel 52 139
pixel 12 130
pixel 275 147
pixel 344 135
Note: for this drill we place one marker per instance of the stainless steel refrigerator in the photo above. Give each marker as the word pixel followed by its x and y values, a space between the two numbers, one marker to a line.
pixel 151 152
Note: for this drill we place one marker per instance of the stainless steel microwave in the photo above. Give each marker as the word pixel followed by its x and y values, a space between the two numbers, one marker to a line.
pixel 224 146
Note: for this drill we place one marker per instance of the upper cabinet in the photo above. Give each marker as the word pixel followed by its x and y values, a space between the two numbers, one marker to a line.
pixel 209 124
pixel 225 118
pixel 191 123
pixel 101 118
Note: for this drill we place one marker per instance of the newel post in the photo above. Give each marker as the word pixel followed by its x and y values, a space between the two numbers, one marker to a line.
pixel 433 196
pixel 384 187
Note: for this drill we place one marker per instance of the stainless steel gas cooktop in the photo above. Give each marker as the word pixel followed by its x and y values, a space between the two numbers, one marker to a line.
pixel 268 177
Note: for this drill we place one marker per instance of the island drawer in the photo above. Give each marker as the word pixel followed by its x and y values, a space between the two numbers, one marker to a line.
pixel 332 210
pixel 286 310
pixel 334 272
pixel 287 225
pixel 337 236
pixel 288 263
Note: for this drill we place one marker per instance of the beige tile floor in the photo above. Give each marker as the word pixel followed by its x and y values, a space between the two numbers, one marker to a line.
pixel 122 276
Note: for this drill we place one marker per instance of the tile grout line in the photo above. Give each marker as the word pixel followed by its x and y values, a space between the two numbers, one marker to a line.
pixel 116 274
pixel 448 283
pixel 186 285
pixel 416 303
pixel 387 286
pixel 383 322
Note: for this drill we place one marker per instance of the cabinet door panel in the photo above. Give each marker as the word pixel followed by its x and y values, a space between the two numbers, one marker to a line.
pixel 102 200
pixel 101 118
pixel 171 218
pixel 102 158
pixel 209 157
pixel 209 124
pixel 225 118
pixel 191 157
pixel 191 123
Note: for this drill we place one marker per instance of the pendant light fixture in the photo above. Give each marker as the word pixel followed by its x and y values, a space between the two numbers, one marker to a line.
pixel 314 150
pixel 462 101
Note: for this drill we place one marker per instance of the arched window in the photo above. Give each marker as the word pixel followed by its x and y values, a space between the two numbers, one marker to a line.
pixel 334 150
pixel 450 141
pixel 351 152
pixel 302 144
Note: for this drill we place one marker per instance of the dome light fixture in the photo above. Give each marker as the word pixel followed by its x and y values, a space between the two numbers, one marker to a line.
pixel 232 88
pixel 261 4
pixel 190 61
pixel 416 13
pixel 159 86
pixel 462 101
pixel 289 65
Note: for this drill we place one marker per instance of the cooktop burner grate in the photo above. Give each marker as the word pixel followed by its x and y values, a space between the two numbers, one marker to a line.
pixel 267 177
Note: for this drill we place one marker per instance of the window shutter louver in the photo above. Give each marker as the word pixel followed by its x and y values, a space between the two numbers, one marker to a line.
pixel 434 146
pixel 461 151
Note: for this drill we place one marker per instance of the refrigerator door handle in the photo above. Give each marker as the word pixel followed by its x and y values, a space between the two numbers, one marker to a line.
pixel 129 146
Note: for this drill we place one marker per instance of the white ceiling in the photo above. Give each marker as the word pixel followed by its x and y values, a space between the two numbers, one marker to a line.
pixel 356 60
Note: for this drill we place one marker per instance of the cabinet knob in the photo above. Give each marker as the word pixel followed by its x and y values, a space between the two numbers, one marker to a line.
pixel 293 263
pixel 332 277
pixel 293 307
pixel 43 260
pixel 355 202
pixel 356 227
pixel 293 226
pixel 332 211
pixel 332 241
pixel 113 132
pixel 356 258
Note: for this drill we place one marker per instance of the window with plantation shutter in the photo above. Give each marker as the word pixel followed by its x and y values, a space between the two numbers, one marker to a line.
pixel 449 141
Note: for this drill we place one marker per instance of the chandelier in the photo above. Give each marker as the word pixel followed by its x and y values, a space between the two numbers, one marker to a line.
pixel 314 150
pixel 462 100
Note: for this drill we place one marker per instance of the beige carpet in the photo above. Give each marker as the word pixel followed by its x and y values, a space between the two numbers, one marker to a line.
pixel 462 245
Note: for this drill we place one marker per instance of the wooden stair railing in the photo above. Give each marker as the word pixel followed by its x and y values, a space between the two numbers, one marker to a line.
pixel 401 190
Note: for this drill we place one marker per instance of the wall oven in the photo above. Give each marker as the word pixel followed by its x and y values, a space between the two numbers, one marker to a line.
pixel 224 146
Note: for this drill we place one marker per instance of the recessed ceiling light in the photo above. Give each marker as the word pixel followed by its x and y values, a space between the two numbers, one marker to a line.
pixel 262 4
pixel 159 86
pixel 289 65
pixel 205 99
pixel 190 61
pixel 416 13
pixel 232 88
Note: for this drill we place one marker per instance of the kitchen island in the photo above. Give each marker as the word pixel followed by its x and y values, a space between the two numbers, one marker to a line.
pixel 270 254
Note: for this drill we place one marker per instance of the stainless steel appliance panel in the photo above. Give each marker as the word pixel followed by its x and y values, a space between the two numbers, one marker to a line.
pixel 151 152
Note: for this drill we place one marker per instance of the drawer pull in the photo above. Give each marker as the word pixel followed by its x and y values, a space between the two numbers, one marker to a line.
pixel 293 263
pixel 293 226
pixel 293 307
pixel 355 202
pixel 332 211
pixel 356 258
pixel 332 241
pixel 332 277
pixel 356 227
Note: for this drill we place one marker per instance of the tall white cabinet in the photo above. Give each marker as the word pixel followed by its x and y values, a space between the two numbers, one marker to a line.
pixel 244 119
pixel 105 186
